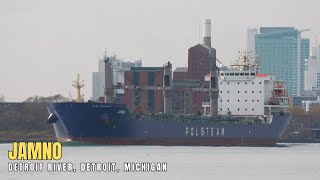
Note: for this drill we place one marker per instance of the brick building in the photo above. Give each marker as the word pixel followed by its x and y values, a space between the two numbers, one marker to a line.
pixel 144 100
pixel 200 59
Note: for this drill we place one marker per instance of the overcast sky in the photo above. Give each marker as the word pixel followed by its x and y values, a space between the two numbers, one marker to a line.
pixel 44 44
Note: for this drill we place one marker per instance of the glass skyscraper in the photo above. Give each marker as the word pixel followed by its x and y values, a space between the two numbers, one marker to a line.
pixel 282 52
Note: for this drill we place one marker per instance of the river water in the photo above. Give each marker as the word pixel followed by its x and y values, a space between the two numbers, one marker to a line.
pixel 286 161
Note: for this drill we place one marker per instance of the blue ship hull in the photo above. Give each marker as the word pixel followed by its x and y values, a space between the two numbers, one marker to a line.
pixel 103 123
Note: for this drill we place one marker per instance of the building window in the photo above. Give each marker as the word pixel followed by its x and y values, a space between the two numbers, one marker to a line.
pixel 228 82
pixel 259 82
pixel 220 109
pixel 259 91
pixel 228 92
pixel 252 91
pixel 252 100
pixel 238 82
pixel 252 82
pixel 221 83
pixel 228 100
pixel 228 109
pixel 245 83
pixel 245 92
pixel 220 91
pixel 238 91
pixel 257 100
pixel 245 100
pixel 238 100
pixel 238 109
pixel 252 109
pixel 245 109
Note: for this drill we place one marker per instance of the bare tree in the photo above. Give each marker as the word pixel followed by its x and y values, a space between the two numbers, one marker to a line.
pixel 41 99
pixel 2 98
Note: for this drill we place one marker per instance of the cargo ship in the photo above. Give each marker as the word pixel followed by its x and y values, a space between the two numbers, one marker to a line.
pixel 113 124
pixel 245 108
pixel 260 119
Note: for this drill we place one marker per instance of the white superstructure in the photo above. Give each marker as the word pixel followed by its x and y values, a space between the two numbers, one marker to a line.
pixel 243 91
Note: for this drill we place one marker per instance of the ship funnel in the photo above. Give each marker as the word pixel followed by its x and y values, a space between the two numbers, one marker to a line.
pixel 207 32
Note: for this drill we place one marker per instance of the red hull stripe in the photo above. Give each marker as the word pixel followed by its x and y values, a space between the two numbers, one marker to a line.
pixel 176 142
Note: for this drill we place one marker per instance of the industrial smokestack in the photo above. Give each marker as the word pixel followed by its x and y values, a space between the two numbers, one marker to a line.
pixel 207 32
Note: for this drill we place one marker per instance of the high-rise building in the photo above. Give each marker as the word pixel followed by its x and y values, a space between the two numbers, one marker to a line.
pixel 312 78
pixel 305 54
pixel 282 52
pixel 95 86
pixel 251 41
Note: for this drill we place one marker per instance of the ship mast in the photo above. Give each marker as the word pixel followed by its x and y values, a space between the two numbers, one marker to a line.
pixel 78 85
pixel 245 60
